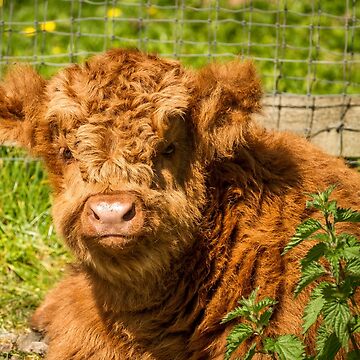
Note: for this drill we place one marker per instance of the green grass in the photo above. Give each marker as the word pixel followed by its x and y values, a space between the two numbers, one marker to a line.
pixel 31 257
pixel 197 33
pixel 19 355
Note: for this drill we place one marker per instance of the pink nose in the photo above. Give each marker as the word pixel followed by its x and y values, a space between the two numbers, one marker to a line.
pixel 117 214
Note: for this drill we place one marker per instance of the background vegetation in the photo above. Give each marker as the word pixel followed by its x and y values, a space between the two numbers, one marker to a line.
pixel 31 258
pixel 299 46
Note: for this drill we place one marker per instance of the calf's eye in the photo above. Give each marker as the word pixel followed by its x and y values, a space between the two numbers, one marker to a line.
pixel 169 150
pixel 66 154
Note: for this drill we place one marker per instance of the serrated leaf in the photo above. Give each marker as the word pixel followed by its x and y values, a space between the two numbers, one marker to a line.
pixel 321 198
pixel 347 215
pixel 302 232
pixel 323 237
pixel 353 267
pixel 352 252
pixel 233 314
pixel 348 246
pixel 312 311
pixel 330 292
pixel 327 345
pixel 265 317
pixel 321 288
pixel 337 316
pixel 252 296
pixel 311 273
pixel 347 287
pixel 250 353
pixel 287 347
pixel 347 240
pixel 314 254
pixel 330 207
pixel 250 301
pixel 322 335
pixel 236 337
pixel 263 303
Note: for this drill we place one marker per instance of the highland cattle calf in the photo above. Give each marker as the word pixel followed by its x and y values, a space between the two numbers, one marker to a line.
pixel 174 202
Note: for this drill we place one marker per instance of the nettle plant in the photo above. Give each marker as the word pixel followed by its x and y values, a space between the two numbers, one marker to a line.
pixel 332 266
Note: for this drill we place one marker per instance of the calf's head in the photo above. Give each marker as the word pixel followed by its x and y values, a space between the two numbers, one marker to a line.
pixel 127 139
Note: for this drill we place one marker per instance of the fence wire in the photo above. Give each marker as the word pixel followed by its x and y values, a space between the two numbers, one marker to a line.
pixel 309 47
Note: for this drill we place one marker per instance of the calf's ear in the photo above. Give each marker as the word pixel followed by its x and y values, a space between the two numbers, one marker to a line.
pixel 20 98
pixel 225 97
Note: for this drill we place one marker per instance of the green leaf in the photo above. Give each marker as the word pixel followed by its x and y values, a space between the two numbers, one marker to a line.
pixel 330 207
pixel 347 215
pixel 233 314
pixel 250 353
pixel 353 355
pixel 315 253
pixel 236 337
pixel 347 240
pixel 320 199
pixel 265 318
pixel 252 296
pixel 322 335
pixel 250 301
pixel 348 246
pixel 353 267
pixel 302 232
pixel 337 316
pixel 327 345
pixel 263 303
pixel 287 347
pixel 331 292
pixel 355 324
pixel 312 311
pixel 352 252
pixel 322 237
pixel 311 272
pixel 347 287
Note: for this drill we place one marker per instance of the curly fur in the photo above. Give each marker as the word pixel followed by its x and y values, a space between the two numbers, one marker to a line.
pixel 218 211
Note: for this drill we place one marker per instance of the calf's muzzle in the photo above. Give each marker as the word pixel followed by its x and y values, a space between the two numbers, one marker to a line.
pixel 118 214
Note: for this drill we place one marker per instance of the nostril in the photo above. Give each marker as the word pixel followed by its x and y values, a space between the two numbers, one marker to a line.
pixel 130 214
pixel 96 216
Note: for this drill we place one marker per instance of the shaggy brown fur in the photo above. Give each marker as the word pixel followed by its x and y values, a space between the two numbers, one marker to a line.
pixel 212 199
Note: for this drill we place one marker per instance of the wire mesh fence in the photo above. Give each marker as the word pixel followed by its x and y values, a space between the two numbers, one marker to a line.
pixel 304 48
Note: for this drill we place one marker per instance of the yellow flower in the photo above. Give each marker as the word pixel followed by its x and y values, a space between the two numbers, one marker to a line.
pixel 114 12
pixel 29 31
pixel 152 10
pixel 56 50
pixel 1 3
pixel 48 26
